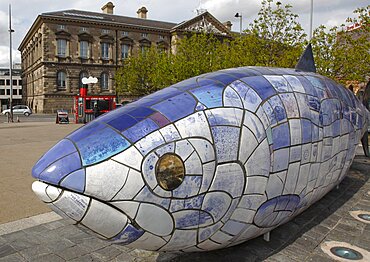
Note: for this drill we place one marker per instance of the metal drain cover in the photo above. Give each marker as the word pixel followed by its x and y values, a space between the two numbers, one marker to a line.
pixel 361 215
pixel 347 253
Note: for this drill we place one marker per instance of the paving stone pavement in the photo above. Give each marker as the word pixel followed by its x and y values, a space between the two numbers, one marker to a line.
pixel 298 240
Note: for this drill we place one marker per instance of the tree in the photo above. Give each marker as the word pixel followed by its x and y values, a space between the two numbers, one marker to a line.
pixel 279 36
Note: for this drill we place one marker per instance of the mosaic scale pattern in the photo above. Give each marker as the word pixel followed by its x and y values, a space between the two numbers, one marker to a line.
pixel 240 151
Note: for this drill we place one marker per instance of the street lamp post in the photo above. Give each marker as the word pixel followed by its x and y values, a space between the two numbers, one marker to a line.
pixel 241 21
pixel 11 64
pixel 311 19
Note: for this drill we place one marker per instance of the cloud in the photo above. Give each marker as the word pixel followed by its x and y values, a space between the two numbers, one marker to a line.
pixel 4 56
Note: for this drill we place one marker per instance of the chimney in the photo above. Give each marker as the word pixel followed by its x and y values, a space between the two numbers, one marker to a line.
pixel 228 25
pixel 108 8
pixel 141 13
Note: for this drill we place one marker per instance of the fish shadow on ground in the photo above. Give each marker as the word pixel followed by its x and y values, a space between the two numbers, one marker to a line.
pixel 326 210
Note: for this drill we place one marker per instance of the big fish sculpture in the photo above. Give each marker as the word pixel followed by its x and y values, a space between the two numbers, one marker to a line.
pixel 207 163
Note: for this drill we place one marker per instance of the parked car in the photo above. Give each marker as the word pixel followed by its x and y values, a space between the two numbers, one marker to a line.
pixel 18 110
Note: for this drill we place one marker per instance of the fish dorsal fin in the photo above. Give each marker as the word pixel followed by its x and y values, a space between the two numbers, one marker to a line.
pixel 306 62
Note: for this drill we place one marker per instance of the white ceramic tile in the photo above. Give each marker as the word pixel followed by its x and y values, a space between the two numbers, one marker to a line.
pixel 291 178
pixel 132 186
pixel 181 239
pixel 279 83
pixel 150 142
pixel 231 98
pixel 104 219
pixel 248 144
pixel 254 166
pixel 217 204
pixel 146 195
pixel 230 211
pixel 256 185
pixel 229 178
pixel 251 100
pixel 193 165
pixel 154 219
pixel 183 149
pixel 225 116
pixel 204 149
pixel 130 157
pixel 314 152
pixel 148 242
pixel 53 192
pixel 290 104
pixel 255 125
pixel 306 153
pixel 295 153
pixel 170 133
pixel 39 188
pixel 190 186
pixel 226 139
pixel 209 245
pixel 72 204
pixel 263 117
pixel 206 232
pixel 149 165
pixel 249 232
pixel 221 237
pixel 208 174
pixel 168 148
pixel 243 215
pixel 233 228
pixel 303 178
pixel 190 219
pixel 129 208
pixel 252 202
pixel 295 83
pixel 161 192
pixel 295 131
pixel 275 185
pixel 112 173
pixel 199 126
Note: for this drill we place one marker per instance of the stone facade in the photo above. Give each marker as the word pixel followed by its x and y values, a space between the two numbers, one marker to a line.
pixel 53 47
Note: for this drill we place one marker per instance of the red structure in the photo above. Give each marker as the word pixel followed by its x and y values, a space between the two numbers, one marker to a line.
pixel 84 106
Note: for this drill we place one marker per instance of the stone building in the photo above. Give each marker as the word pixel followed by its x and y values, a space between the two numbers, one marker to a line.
pixel 63 47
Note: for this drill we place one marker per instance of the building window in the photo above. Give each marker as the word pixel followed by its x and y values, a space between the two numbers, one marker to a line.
pixel 8 82
pixel 104 78
pixel 125 51
pixel 105 50
pixel 2 82
pixel 61 80
pixel 84 49
pixel 161 37
pixel 145 35
pixel 84 29
pixel 2 92
pixel 61 27
pixel 8 92
pixel 144 49
pixel 15 82
pixel 20 82
pixel 125 33
pixel 82 75
pixel 105 31
pixel 15 92
pixel 62 47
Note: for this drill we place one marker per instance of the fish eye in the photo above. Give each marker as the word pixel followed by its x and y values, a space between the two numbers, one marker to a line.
pixel 170 171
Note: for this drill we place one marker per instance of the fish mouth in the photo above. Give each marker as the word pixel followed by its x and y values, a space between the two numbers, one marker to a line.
pixel 97 217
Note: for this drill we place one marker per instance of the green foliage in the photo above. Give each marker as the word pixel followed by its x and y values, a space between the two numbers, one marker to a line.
pixel 344 55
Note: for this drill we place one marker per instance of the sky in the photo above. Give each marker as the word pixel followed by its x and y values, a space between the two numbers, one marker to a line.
pixel 24 13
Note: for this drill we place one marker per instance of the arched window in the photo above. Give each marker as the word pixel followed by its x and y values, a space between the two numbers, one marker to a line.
pixel 104 81
pixel 82 75
pixel 61 80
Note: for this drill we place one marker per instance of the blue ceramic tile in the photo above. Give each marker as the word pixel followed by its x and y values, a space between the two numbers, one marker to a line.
pixel 306 131
pixel 227 141
pixel 147 196
pixel 158 96
pixel 336 128
pixel 233 227
pixel 101 145
pixel 226 79
pixel 307 85
pixel 263 87
pixel 315 133
pixel 241 88
pixel 270 113
pixel 303 105
pixel 129 235
pixel 314 103
pixel 61 149
pixel 278 108
pixel 316 82
pixel 279 83
pixel 87 130
pixel 140 130
pixel 187 84
pixel 231 98
pixel 194 202
pixel 332 89
pixel 192 218
pixel 122 122
pixel 241 72
pixel 209 94
pixel 264 70
pixel 139 113
pixel 281 136
pixel 159 119
pixel 61 168
pixel 75 181
pixel 189 187
pixel 281 159
pixel 176 107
